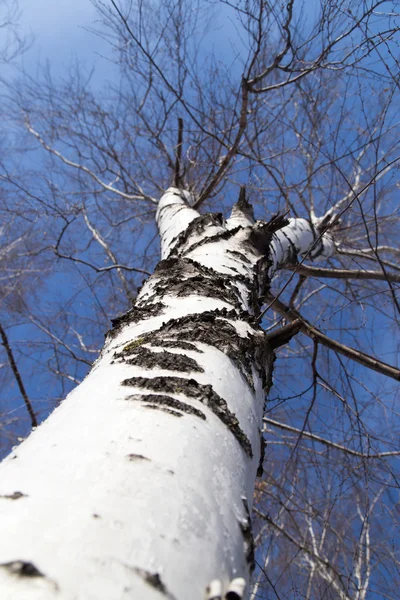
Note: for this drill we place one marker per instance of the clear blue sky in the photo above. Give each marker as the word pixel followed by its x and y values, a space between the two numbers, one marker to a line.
pixel 59 33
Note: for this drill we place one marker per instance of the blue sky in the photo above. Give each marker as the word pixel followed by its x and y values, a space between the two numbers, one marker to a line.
pixel 59 33
pixel 59 30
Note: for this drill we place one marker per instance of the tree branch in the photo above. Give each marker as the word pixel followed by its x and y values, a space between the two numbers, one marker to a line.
pixel 312 332
pixel 317 438
pixel 232 150
pixel 70 163
pixel 283 335
pixel 324 563
pixel 342 273
pixel 178 156
pixel 17 376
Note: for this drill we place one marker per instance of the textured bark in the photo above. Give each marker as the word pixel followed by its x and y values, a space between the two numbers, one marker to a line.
pixel 140 484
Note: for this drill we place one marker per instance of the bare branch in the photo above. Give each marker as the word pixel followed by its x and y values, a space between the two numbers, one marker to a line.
pixel 312 332
pixel 320 440
pixel 342 273
pixel 17 376
pixel 70 163
pixel 178 156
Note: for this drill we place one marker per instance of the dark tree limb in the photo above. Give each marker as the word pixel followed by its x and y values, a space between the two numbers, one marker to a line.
pixel 343 273
pixel 283 335
pixel 325 564
pixel 178 156
pixel 321 440
pixel 227 159
pixel 17 376
pixel 315 334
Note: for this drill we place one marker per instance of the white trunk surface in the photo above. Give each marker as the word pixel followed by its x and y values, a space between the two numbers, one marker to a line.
pixel 138 486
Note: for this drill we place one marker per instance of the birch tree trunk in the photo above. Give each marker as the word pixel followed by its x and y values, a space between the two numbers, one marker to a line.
pixel 140 484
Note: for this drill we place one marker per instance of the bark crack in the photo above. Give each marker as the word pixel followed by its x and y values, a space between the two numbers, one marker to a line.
pixel 153 580
pixel 22 568
pixel 13 496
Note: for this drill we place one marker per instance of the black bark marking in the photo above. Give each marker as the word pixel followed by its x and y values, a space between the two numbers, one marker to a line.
pixel 211 239
pixel 248 538
pixel 269 371
pixel 154 580
pixel 198 391
pixel 212 273
pixel 163 409
pixel 207 328
pixel 177 209
pixel 211 328
pixel 183 277
pixel 22 568
pixel 199 285
pixel 174 268
pixel 232 268
pixel 135 315
pixel 196 228
pixel 176 344
pixel 162 400
pixel 260 237
pixel 148 359
pixel 135 457
pixel 174 273
pixel 242 257
pixel 13 496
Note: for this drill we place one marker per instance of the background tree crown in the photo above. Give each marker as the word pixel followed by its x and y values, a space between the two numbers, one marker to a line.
pixel 299 103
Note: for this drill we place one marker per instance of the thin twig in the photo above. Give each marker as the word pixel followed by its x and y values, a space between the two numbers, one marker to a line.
pixel 312 332
pixel 323 561
pixel 320 440
pixel 226 161
pixel 178 155
pixel 17 376
pixel 343 273
pixel 70 163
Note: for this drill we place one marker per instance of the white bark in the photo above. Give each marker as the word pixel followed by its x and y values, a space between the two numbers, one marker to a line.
pixel 140 483
pixel 299 238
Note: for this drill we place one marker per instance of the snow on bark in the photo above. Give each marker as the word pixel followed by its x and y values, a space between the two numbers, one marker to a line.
pixel 140 484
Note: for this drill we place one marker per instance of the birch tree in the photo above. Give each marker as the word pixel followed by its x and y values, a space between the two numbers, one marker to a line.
pixel 141 483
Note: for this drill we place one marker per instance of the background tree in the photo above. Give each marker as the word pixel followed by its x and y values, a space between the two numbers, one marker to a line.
pixel 15 250
pixel 303 110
